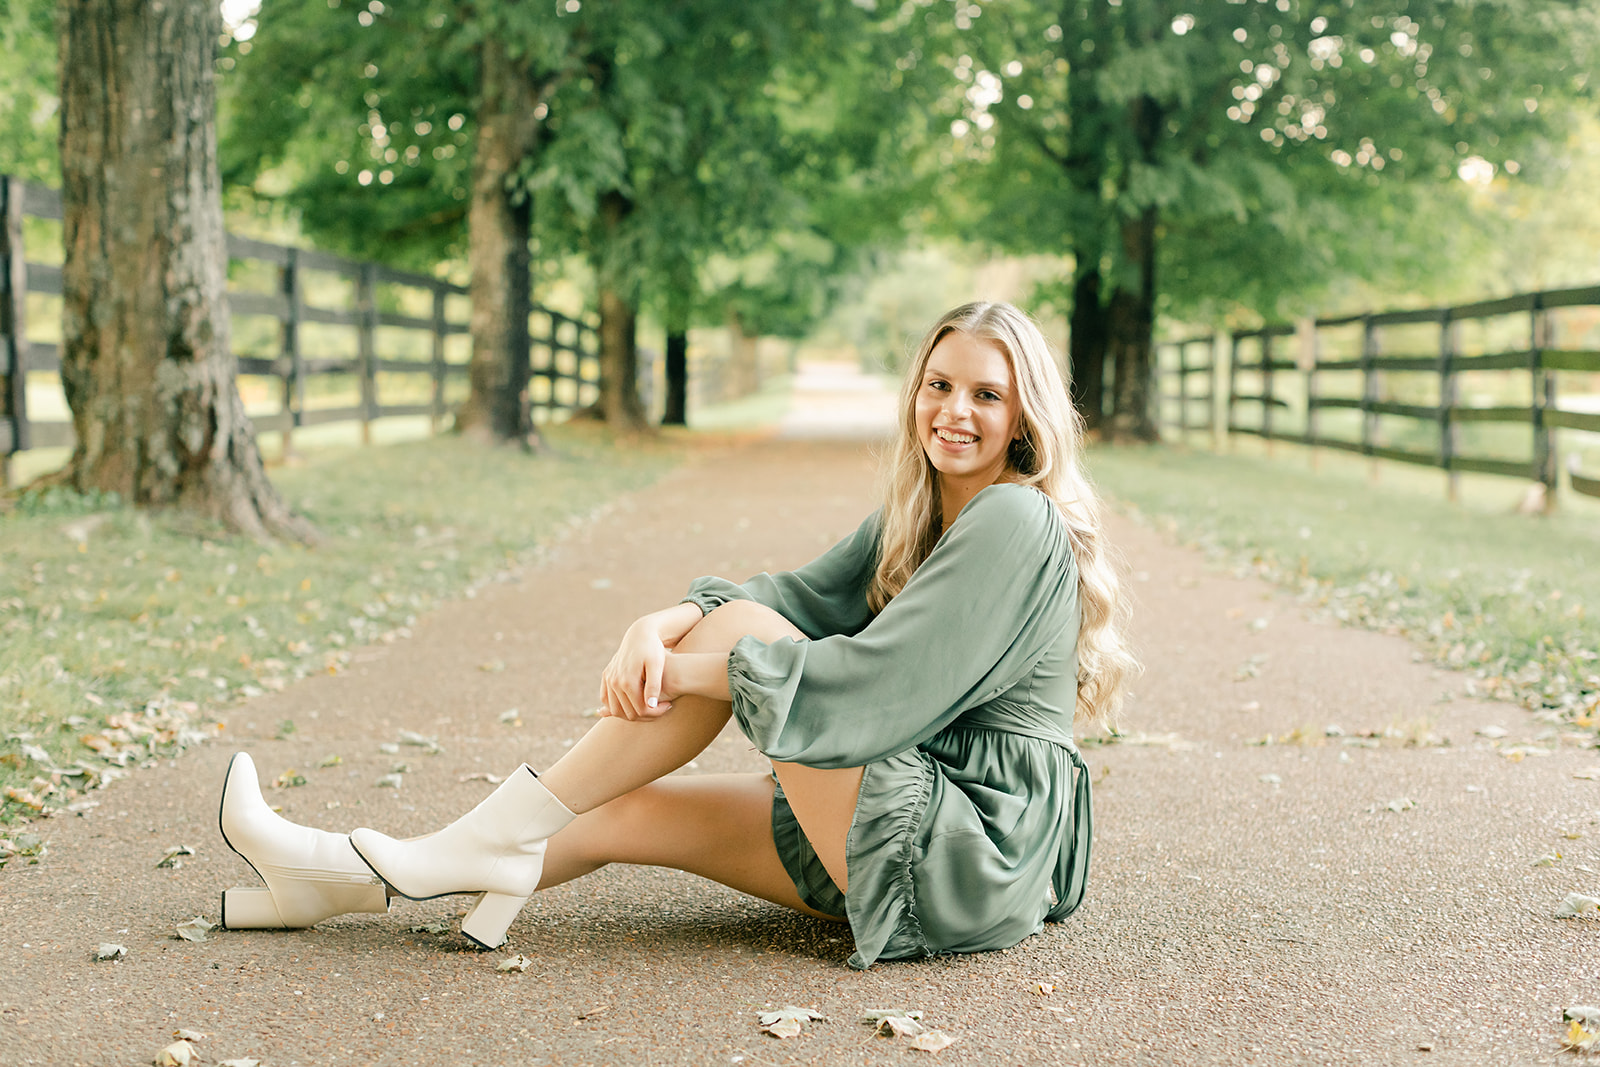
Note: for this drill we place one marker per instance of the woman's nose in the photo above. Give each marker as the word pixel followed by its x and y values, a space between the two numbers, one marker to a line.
pixel 956 406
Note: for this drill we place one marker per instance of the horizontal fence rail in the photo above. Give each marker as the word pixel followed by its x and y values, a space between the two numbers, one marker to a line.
pixel 1390 385
pixel 314 326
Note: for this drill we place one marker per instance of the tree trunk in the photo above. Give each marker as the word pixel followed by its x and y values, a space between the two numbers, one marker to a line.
pixel 145 363
pixel 743 372
pixel 619 402
pixel 498 256
pixel 1132 333
pixel 1086 341
pixel 677 409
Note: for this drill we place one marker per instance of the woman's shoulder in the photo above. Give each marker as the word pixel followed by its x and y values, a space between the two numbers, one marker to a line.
pixel 1010 505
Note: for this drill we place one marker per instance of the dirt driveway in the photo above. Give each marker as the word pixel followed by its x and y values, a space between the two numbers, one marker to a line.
pixel 1355 899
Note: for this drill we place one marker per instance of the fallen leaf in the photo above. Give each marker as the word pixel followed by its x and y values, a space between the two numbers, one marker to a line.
pixel 1401 804
pixel 875 1016
pixel 110 951
pixel 1044 989
pixel 932 1041
pixel 1583 1013
pixel 431 928
pixel 289 779
pixel 1590 774
pixel 494 666
pixel 171 858
pixel 1549 859
pixel 388 748
pixel 1578 1037
pixel 1574 905
pixel 518 963
pixel 195 929
pixel 1493 733
pixel 1272 779
pixel 239 1063
pixel 786 1021
pixel 188 1035
pixel 422 741
pixel 510 716
pixel 331 761
pixel 592 1012
pixel 899 1026
pixel 481 776
pixel 389 781
pixel 177 1054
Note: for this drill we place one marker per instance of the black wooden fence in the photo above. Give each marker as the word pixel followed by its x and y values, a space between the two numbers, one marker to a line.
pixel 395 340
pixel 1468 388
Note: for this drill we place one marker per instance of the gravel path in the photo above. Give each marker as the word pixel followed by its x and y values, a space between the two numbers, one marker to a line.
pixel 1248 903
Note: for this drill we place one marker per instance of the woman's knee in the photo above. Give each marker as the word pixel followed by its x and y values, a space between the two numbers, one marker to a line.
pixel 733 620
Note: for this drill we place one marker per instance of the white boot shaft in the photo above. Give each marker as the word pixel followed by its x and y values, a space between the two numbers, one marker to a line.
pixel 497 847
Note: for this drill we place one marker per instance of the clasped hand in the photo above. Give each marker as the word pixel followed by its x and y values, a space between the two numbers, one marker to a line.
pixel 637 683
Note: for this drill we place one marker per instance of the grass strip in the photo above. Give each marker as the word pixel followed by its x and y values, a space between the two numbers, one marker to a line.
pixel 125 635
pixel 1502 595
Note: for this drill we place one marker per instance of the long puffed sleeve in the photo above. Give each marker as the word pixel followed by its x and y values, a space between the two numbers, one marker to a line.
pixel 826 596
pixel 998 592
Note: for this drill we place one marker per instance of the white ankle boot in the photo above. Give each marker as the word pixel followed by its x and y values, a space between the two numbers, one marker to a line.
pixel 311 875
pixel 496 849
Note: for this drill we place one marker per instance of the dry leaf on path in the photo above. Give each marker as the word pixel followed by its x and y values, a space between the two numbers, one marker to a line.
pixel 1401 804
pixel 177 1054
pixel 389 781
pixel 518 963
pixel 511 716
pixel 188 1035
pixel 932 1041
pixel 110 951
pixel 171 858
pixel 482 776
pixel 431 928
pixel 876 1015
pixel 1549 859
pixel 1493 733
pixel 1590 774
pixel 1574 905
pixel 195 929
pixel 239 1063
pixel 787 1021
pixel 289 779
pixel 1579 1037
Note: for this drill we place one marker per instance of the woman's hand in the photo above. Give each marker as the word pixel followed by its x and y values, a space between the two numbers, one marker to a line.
pixel 631 684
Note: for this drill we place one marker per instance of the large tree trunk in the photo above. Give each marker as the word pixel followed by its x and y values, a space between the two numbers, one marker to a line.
pixel 619 403
pixel 1086 341
pixel 498 256
pixel 1132 333
pixel 145 358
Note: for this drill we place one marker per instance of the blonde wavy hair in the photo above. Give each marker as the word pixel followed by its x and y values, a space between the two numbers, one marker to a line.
pixel 1046 456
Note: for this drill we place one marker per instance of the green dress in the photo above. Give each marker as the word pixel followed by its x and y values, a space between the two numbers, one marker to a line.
pixel 957 699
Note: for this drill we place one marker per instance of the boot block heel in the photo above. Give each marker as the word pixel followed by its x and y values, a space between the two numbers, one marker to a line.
pixel 490 917
pixel 250 909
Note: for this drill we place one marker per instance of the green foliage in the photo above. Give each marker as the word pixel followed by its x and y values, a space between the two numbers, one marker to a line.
pixel 30 101
pixel 1506 596
pixel 157 622
pixel 1290 143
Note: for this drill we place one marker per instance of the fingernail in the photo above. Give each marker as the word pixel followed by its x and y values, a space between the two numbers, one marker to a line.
pixel 650 702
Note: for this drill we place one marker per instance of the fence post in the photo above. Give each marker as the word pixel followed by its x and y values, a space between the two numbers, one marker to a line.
pixel 436 403
pixel 1449 394
pixel 1233 388
pixel 1369 392
pixel 1545 469
pixel 1267 393
pixel 13 320
pixel 1183 392
pixel 1313 399
pixel 1214 400
pixel 366 346
pixel 294 378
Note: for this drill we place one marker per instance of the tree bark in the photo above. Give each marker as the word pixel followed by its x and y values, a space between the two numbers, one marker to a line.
pixel 1086 341
pixel 146 363
pixel 619 403
pixel 499 221
pixel 677 401
pixel 1132 333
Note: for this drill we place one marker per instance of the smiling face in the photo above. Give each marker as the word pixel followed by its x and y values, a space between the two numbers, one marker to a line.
pixel 966 415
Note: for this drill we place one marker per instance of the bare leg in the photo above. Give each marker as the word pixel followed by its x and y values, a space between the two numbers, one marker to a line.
pixel 618 756
pixel 718 826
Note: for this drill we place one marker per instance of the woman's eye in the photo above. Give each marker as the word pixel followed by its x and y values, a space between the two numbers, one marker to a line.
pixel 941 386
pixel 986 395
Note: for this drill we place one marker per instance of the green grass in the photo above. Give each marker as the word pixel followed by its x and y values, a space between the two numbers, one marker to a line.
pixel 1513 598
pixel 125 636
